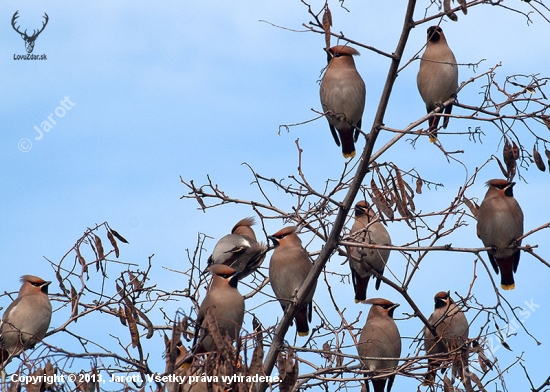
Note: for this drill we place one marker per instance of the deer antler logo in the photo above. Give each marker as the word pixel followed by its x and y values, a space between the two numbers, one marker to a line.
pixel 29 41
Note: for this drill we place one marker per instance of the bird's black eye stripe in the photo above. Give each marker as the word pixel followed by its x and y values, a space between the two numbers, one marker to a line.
pixel 35 284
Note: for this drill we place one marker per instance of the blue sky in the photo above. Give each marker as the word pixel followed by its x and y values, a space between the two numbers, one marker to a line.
pixel 197 88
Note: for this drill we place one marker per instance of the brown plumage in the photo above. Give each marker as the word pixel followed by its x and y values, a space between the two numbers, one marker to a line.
pixel 367 229
pixel 225 303
pixel 499 224
pixel 380 338
pixel 452 330
pixel 240 250
pixel 288 269
pixel 343 96
pixel 26 320
pixel 437 78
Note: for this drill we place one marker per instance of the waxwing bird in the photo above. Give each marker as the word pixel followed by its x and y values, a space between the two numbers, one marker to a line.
pixel 225 303
pixel 367 229
pixel 288 269
pixel 343 95
pixel 499 224
pixel 240 250
pixel 26 319
pixel 452 331
pixel 380 338
pixel 437 77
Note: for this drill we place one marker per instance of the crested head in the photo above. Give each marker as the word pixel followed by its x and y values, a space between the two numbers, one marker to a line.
pixel 443 298
pixel 381 306
pixel 221 270
pixel 497 182
pixel 34 280
pixel 223 273
pixel 244 228
pixel 363 208
pixel 435 33
pixel 33 284
pixel 502 186
pixel 246 222
pixel 379 302
pixel 343 50
pixel 284 232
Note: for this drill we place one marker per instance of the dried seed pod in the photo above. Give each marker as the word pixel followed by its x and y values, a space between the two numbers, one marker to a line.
pixel 401 204
pixel 326 351
pixel 419 183
pixel 113 243
pixel 74 302
pixel 538 160
pixel 387 211
pixel 339 358
pixel 327 23
pixel 546 120
pixel 447 8
pixel 504 171
pixel 288 370
pixel 515 150
pixel 99 247
pixel 547 153
pixel 49 372
pixel 81 260
pixel 402 208
pixel 463 6
pixel 122 316
pixel 136 283
pixel 145 319
pixel 120 238
pixel 410 196
pixel 508 155
pixel 471 206
pixel 60 281
pixel 132 326
pixel 477 381
pixel 401 184
pixel 376 192
pixel 256 363
pixel 482 364
pixel 410 201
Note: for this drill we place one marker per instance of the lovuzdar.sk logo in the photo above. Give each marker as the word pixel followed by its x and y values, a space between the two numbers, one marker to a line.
pixel 29 39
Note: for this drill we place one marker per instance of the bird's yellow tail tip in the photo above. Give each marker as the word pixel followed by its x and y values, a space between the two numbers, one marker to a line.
pixel 433 139
pixel 350 155
pixel 303 333
pixel 508 286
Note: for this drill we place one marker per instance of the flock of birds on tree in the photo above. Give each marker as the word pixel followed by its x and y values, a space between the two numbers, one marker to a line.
pixel 237 255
